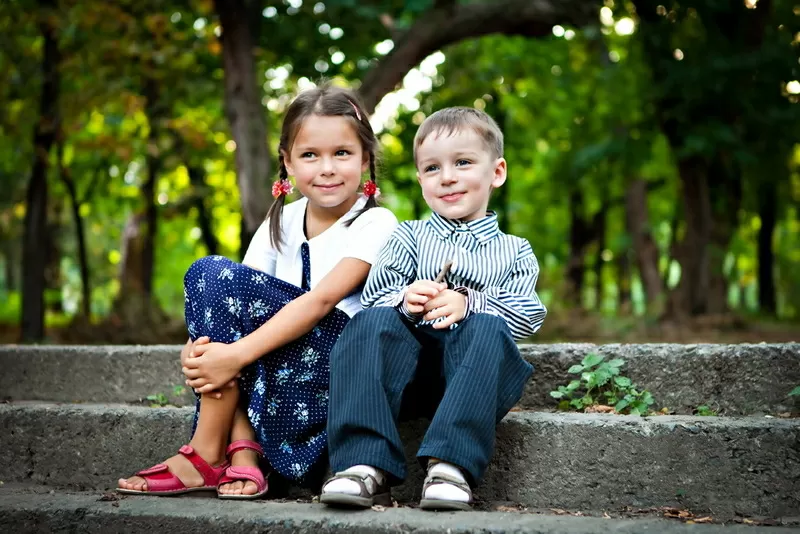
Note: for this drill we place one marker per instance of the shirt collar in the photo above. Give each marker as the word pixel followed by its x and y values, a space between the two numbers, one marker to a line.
pixel 295 239
pixel 482 230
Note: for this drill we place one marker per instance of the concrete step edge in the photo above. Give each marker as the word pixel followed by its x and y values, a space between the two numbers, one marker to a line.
pixel 731 379
pixel 745 465
pixel 36 509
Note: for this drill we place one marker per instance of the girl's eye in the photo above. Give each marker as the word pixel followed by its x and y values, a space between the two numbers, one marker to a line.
pixel 431 168
pixel 342 152
pixel 462 162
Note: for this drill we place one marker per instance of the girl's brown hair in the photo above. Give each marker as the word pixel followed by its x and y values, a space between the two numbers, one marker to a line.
pixel 327 101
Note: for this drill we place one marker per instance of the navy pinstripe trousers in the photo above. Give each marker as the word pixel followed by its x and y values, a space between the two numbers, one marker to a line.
pixel 380 353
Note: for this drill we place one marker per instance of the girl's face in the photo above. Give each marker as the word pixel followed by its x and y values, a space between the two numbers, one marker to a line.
pixel 327 162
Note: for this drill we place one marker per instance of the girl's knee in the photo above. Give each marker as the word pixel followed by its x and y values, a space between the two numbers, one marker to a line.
pixel 205 265
pixel 205 270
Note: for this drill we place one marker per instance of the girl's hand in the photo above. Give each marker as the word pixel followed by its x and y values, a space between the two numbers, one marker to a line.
pixel 211 367
pixel 188 352
pixel 448 304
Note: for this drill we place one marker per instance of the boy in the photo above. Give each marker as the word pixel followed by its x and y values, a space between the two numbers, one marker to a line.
pixel 469 324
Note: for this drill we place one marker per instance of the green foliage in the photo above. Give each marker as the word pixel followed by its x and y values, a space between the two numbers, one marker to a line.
pixel 158 400
pixel 705 411
pixel 580 112
pixel 600 383
pixel 795 392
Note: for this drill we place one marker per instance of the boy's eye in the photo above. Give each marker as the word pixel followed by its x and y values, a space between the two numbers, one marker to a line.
pixel 462 162
pixel 431 168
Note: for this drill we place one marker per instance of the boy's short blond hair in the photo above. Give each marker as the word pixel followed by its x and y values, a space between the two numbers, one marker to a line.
pixel 448 121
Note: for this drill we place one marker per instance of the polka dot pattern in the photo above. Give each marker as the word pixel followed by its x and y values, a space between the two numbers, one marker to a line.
pixel 285 392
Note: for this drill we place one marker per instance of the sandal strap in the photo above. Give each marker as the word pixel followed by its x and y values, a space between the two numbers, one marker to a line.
pixel 253 474
pixel 209 474
pixel 243 444
pixel 442 478
pixel 158 468
pixel 360 478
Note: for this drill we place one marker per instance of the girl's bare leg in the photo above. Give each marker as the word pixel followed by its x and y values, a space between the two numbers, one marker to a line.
pixel 242 430
pixel 209 441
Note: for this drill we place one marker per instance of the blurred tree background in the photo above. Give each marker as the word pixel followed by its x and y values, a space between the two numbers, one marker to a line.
pixel 653 149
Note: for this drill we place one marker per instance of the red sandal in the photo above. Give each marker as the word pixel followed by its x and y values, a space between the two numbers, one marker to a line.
pixel 160 481
pixel 243 473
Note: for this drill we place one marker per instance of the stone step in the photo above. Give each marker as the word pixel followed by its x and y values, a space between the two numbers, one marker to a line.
pixel 711 465
pixel 732 379
pixel 35 509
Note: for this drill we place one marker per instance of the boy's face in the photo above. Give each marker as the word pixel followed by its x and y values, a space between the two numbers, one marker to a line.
pixel 457 174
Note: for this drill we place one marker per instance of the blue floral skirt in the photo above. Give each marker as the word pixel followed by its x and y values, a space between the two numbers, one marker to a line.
pixel 285 393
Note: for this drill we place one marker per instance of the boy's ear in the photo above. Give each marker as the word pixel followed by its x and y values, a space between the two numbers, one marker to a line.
pixel 287 162
pixel 500 171
pixel 419 179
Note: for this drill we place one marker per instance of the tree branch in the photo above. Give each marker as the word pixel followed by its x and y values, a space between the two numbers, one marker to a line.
pixel 447 23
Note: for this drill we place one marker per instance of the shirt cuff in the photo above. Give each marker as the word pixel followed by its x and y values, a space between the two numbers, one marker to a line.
pixel 399 303
pixel 476 300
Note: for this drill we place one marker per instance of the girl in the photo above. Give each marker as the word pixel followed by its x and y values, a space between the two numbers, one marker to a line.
pixel 272 320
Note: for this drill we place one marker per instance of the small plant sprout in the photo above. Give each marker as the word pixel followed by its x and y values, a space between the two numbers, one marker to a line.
pixel 600 383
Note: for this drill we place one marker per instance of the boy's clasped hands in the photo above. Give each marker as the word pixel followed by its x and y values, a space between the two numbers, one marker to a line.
pixel 434 300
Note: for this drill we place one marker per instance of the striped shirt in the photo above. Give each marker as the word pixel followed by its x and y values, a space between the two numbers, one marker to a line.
pixel 496 272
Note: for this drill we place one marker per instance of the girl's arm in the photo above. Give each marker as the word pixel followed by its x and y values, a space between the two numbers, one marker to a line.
pixel 215 364
pixel 302 314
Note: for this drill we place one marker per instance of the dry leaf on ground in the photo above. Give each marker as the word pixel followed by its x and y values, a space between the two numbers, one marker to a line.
pixel 600 408
pixel 677 513
pixel 378 508
pixel 504 508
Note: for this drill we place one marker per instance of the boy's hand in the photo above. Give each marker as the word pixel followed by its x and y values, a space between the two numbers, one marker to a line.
pixel 420 293
pixel 448 304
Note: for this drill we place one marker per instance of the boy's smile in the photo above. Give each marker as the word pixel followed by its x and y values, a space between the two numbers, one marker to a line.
pixel 457 174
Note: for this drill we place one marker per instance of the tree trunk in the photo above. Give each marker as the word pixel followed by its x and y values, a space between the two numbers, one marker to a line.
pixel 154 107
pixel 8 264
pixel 134 301
pixel 80 234
pixel 600 233
pixel 53 277
pixel 579 237
pixel 637 222
pixel 450 22
pixel 34 256
pixel 244 110
pixel 712 184
pixel 767 212
pixel 197 177
pixel 725 188
pixel 624 283
pixel 690 297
